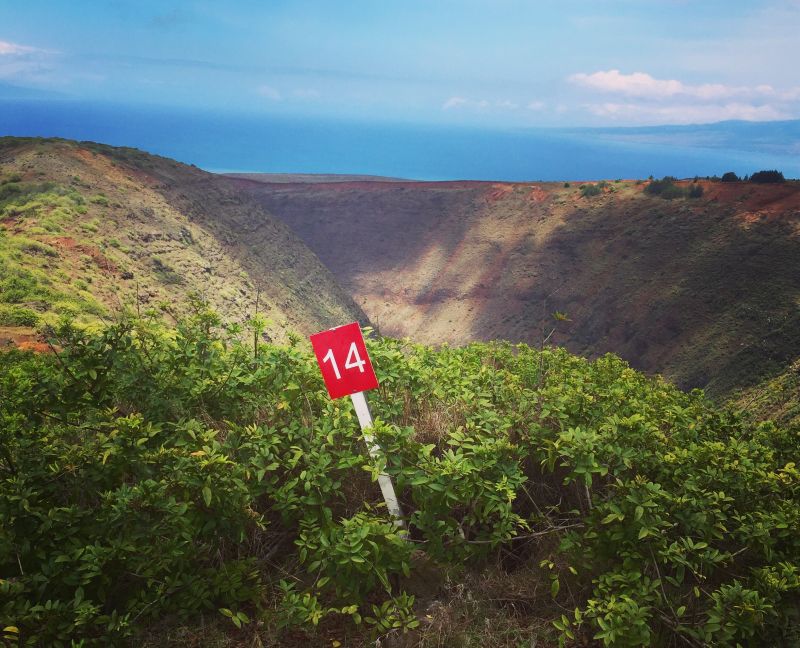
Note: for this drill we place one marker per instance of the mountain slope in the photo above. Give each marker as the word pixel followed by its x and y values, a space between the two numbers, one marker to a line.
pixel 88 228
pixel 705 291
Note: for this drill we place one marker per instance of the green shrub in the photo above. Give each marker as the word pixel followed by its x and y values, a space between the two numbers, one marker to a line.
pixel 13 177
pixel 18 316
pixel 658 187
pixel 668 190
pixel 695 191
pixel 150 473
pixel 764 177
pixel 590 190
pixel 729 176
pixel 31 246
pixel 9 189
pixel 165 273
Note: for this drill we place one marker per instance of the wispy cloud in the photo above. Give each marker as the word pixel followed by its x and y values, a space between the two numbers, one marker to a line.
pixel 641 84
pixel 479 104
pixel 641 98
pixel 15 49
pixel 454 102
pixel 687 113
pixel 25 64
pixel 268 92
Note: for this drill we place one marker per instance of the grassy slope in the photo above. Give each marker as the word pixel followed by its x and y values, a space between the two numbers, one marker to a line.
pixel 776 398
pixel 87 228
pixel 704 291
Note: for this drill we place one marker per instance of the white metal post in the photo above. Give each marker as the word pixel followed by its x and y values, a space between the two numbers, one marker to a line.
pixel 385 482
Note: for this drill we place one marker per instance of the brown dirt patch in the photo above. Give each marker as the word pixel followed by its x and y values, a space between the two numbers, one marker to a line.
pixel 24 338
pixel 498 192
pixel 537 194
pixel 69 244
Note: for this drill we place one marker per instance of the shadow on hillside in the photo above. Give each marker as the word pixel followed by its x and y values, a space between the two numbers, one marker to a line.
pixel 689 289
pixel 684 289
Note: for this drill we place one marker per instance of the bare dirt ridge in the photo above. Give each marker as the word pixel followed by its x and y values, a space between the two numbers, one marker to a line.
pixel 705 291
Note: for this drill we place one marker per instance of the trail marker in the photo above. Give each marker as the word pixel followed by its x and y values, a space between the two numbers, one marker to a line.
pixel 347 371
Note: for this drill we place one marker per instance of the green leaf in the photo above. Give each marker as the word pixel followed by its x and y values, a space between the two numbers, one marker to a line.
pixel 554 587
pixel 207 495
pixel 638 513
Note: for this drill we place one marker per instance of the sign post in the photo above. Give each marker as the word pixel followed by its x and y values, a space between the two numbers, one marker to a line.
pixel 347 371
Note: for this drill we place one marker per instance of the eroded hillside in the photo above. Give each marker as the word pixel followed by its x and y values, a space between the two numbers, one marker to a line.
pixel 89 229
pixel 704 290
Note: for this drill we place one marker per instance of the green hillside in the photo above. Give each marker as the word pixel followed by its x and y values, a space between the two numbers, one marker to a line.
pixel 88 230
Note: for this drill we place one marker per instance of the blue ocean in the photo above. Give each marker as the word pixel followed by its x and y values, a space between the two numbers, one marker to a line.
pixel 224 142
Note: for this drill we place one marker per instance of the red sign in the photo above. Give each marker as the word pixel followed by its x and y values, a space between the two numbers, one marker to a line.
pixel 343 360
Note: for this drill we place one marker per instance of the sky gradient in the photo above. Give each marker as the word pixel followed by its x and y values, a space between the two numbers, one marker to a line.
pixel 499 63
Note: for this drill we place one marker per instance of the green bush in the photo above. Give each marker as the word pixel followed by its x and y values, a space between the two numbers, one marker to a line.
pixel 150 473
pixel 18 316
pixel 764 177
pixel 668 190
pixel 729 176
pixel 658 187
pixel 166 273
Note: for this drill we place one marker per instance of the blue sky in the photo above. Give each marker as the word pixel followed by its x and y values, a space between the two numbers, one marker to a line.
pixel 501 63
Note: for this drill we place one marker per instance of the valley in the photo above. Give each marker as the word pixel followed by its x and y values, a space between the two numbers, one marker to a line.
pixel 705 291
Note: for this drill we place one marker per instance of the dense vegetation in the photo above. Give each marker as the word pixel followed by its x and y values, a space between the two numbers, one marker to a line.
pixel 764 177
pixel 667 189
pixel 150 476
pixel 31 284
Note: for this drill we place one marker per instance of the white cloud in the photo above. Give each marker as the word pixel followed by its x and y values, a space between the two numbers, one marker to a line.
pixel 12 49
pixel 26 65
pixel 453 102
pixel 643 99
pixel 536 105
pixel 507 105
pixel 268 92
pixel 641 84
pixel 479 104
pixel 686 113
